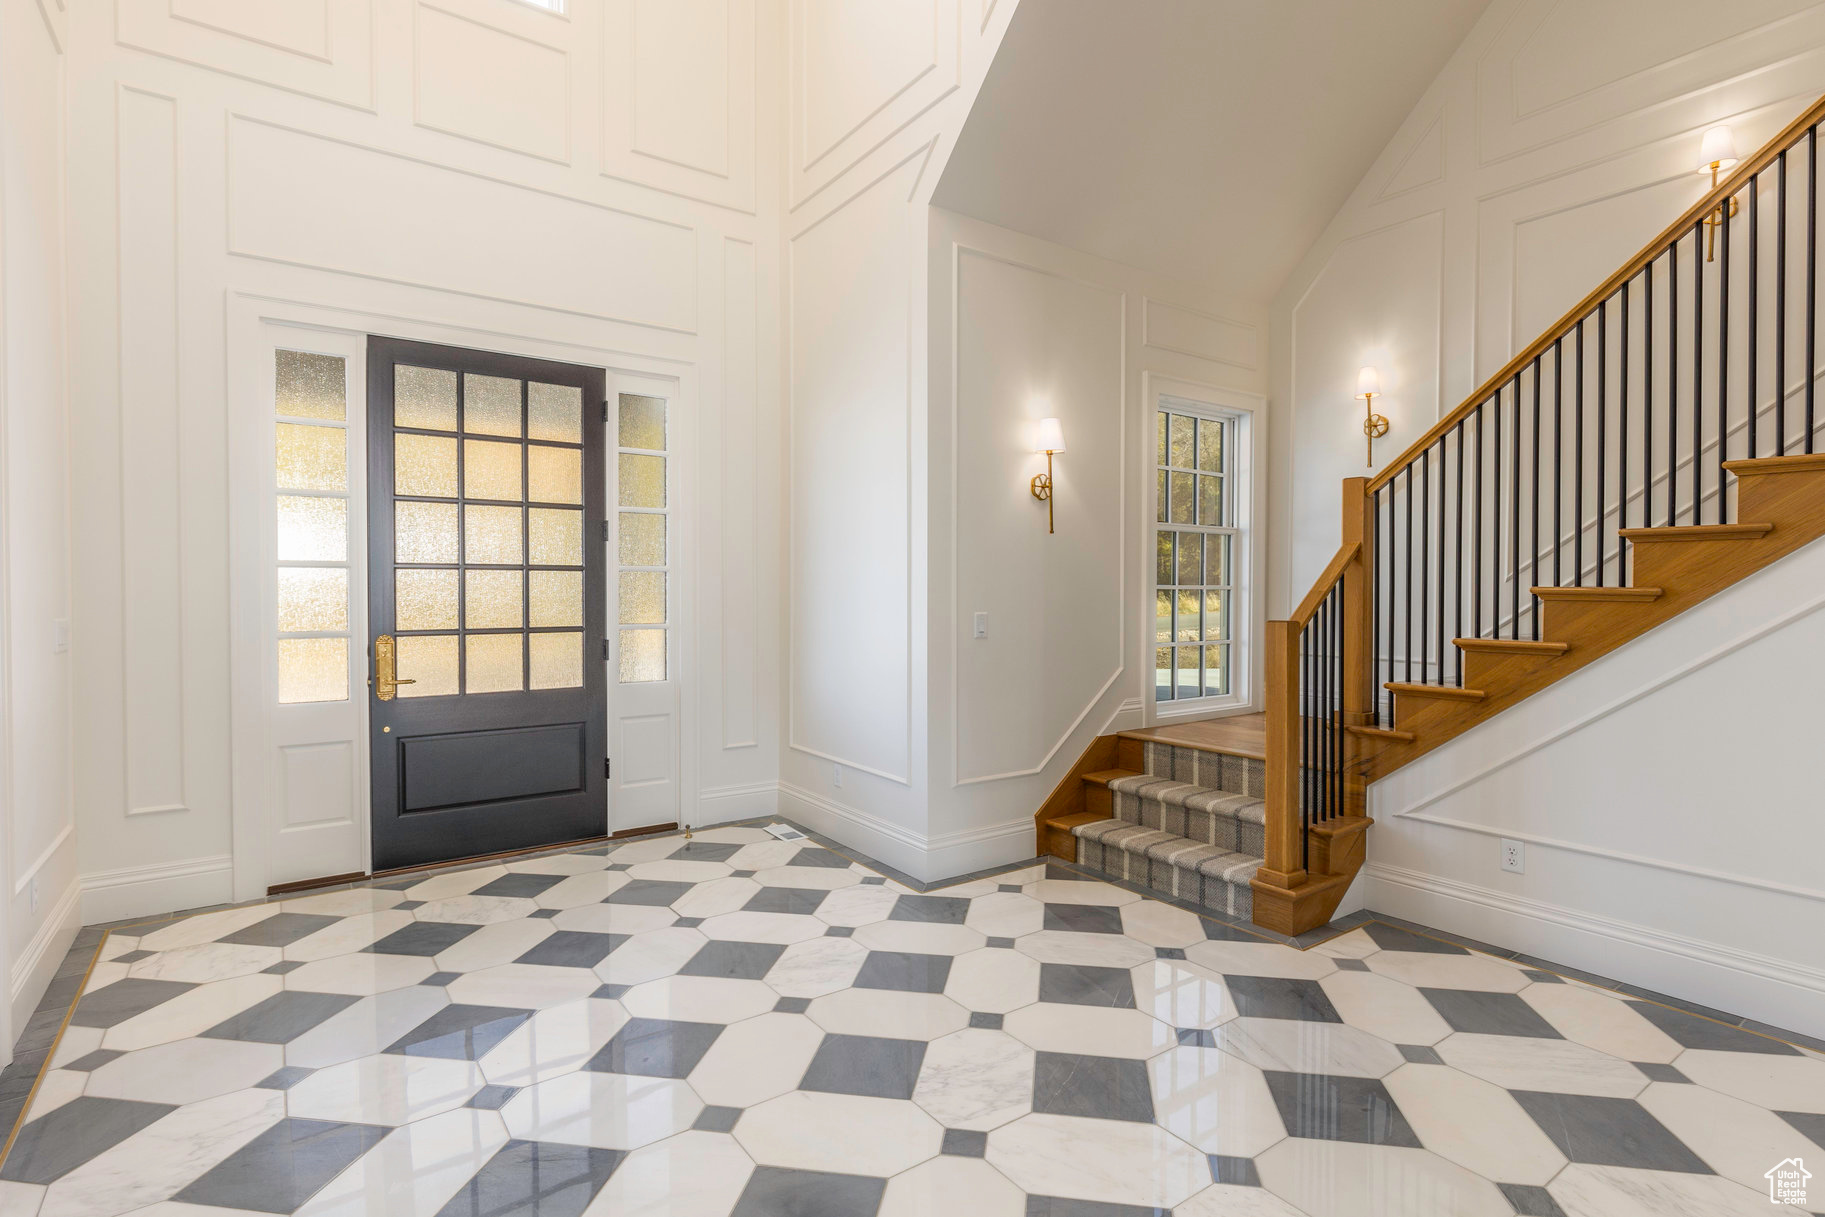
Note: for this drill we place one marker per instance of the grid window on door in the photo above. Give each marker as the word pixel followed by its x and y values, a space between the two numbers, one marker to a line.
pixel 311 477
pixel 488 533
pixel 1195 542
pixel 642 530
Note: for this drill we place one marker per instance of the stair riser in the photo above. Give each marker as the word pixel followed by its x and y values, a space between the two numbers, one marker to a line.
pixel 1209 891
pixel 1212 770
pixel 1669 564
pixel 1206 828
pixel 1575 620
pixel 1784 499
pixel 1492 670
pixel 1416 713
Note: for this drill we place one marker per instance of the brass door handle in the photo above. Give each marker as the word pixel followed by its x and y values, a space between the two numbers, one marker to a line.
pixel 385 682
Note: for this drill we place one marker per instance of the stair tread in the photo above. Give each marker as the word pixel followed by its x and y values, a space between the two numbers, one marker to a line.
pixel 1445 692
pixel 1247 808
pixel 1699 532
pixel 1511 646
pixel 1184 853
pixel 1102 777
pixel 1405 737
pixel 1797 463
pixel 1622 594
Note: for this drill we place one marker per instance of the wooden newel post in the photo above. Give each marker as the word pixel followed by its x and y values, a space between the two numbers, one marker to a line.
pixel 1358 611
pixel 1283 866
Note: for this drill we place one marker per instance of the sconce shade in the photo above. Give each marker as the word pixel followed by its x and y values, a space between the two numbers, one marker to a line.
pixel 1368 381
pixel 1049 436
pixel 1719 149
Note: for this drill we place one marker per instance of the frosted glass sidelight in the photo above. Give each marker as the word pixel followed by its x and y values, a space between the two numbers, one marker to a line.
pixel 554 475
pixel 313 598
pixel 556 597
pixel 491 535
pixel 424 599
pixel 557 536
pixel 642 656
pixel 313 669
pixel 642 598
pixel 492 600
pixel 494 663
pixel 429 660
pixel 313 530
pixel 642 481
pixel 557 661
pixel 491 405
pixel 424 398
pixel 642 422
pixel 312 458
pixel 310 386
pixel 554 412
pixel 642 539
pixel 424 465
pixel 424 532
pixel 491 470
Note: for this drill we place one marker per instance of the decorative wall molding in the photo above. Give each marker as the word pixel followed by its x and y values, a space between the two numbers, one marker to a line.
pixel 522 103
pixel 25 877
pixel 1173 327
pixel 229 37
pixel 37 963
pixel 739 615
pixel 142 891
pixel 1421 166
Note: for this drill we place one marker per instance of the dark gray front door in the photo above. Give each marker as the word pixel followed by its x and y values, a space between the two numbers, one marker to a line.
pixel 485 487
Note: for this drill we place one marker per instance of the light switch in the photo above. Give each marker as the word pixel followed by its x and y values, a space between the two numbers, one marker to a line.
pixel 982 625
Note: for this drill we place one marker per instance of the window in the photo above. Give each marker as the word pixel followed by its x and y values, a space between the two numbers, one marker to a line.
pixel 642 525
pixel 1197 550
pixel 311 467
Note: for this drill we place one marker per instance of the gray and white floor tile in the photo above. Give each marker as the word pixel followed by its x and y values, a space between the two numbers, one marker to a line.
pixel 740 1026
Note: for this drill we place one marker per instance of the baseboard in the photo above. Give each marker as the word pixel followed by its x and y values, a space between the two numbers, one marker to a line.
pixel 165 887
pixel 720 804
pixel 37 965
pixel 929 860
pixel 1774 991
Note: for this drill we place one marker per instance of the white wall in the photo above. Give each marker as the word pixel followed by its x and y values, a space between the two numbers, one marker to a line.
pixel 39 846
pixel 600 187
pixel 1664 790
pixel 1021 329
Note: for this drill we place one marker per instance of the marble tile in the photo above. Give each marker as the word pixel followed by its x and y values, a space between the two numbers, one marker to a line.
pixel 621 920
pixel 1260 959
pixel 902 1015
pixel 782 928
pixel 1079 891
pixel 1079 985
pixel 1475 1124
pixel 1113 1162
pixel 649 956
pixel 281 1018
pixel 775 1190
pixel 111 1003
pixel 815 967
pixel 460 1032
pixel 693 1174
pixel 1351 1179
pixel 1599 1021
pixel 384 1089
pixel 708 999
pixel 350 934
pixel 1214 1102
pixel 1383 1007
pixel 1228 1200
pixel 857 906
pixel 185 1071
pixel 1608 1132
pixel 1072 946
pixel 993 980
pixel 1548 1065
pixel 865 1065
pixel 1609 1191
pixel 604 1110
pixel 976 1079
pixel 365 1028
pixel 207 961
pixel 1090 1030
pixel 52 1145
pixel 1791 1083
pixel 283 1166
pixel 1317 1106
pixel 829 878
pixel 658 1048
pixel 575 891
pixel 205 927
pixel 554 1041
pixel 1737 1140
pixel 1097 1087
pixel 1161 925
pixel 351 902
pixel 20 1199
pixel 528 986
pixel 1425 970
pixel 904 971
pixel 534 1177
pixel 414 1170
pixel 281 929
pixel 920 937
pixel 76 1042
pixel 734 960
pixel 811 1131
pixel 1489 1013
pixel 1005 914
pixel 1297 1046
pixel 757 1059
pixel 190 1013
pixel 458 882
pixel 1278 997
pixel 518 883
pixel 359 974
pixel 952 1185
pixel 803 901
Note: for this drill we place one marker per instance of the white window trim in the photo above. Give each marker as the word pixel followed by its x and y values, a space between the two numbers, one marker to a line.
pixel 1248 412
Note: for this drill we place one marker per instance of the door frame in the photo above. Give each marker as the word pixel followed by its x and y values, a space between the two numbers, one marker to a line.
pixel 252 321
pixel 1249 611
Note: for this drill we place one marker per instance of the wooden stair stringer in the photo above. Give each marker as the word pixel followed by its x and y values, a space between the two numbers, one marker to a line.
pixel 1787 494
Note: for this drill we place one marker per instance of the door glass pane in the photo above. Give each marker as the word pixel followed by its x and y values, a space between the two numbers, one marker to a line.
pixel 312 458
pixel 554 475
pixel 424 599
pixel 642 422
pixel 557 661
pixel 429 660
pixel 1162 674
pixel 642 481
pixel 424 398
pixel 557 536
pixel 491 600
pixel 494 663
pixel 1210 446
pixel 491 535
pixel 1191 557
pixel 491 470
pixel 554 412
pixel 642 656
pixel 424 532
pixel 424 465
pixel 642 598
pixel 642 539
pixel 313 669
pixel 313 530
pixel 313 598
pixel 1184 441
pixel 491 405
pixel 1183 504
pixel 557 597
pixel 310 386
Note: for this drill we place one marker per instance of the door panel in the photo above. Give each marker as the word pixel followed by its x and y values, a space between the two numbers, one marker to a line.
pixel 485 474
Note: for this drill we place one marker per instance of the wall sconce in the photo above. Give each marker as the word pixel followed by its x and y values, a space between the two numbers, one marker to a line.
pixel 1374 426
pixel 1050 438
pixel 1717 154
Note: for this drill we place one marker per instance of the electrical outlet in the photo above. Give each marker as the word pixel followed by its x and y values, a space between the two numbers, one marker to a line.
pixel 836 776
pixel 982 625
pixel 1514 857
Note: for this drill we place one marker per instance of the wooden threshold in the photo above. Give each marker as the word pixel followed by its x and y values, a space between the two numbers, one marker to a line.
pixel 305 885
pixel 529 851
pixel 641 832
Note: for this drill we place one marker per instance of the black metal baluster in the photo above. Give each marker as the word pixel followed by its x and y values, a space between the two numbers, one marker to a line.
pixel 1476 535
pixel 1812 273
pixel 1375 609
pixel 1622 433
pixel 1533 531
pixel 1379 692
pixel 1698 370
pixel 1780 308
pixel 1755 274
pixel 1495 523
pixel 1723 354
pixel 1514 518
pixel 1647 402
pixel 1578 464
pixel 1425 562
pixel 1558 451
pixel 1673 384
pixel 1603 386
pixel 1335 720
pixel 1407 581
pixel 1307 740
pixel 1457 565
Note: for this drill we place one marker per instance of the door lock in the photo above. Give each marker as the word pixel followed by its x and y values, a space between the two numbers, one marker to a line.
pixel 385 682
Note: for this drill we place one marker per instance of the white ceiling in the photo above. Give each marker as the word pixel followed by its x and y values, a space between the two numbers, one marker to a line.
pixel 1209 140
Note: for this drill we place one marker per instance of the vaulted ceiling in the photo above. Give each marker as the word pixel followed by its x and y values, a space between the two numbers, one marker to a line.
pixel 1210 140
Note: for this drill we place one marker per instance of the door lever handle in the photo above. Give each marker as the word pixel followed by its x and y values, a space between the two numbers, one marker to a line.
pixel 386 683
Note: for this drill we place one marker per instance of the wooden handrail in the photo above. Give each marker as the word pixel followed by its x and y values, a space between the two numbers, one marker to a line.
pixel 1729 185
pixel 1322 587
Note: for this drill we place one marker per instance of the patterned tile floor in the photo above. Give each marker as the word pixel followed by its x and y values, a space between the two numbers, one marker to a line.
pixel 745 1026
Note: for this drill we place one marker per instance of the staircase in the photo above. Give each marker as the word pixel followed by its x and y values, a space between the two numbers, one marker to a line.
pixel 1658 443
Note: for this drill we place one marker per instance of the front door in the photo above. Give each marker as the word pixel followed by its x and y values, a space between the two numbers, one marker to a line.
pixel 486 599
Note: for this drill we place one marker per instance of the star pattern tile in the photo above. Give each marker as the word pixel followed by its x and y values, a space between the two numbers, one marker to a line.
pixel 741 1026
